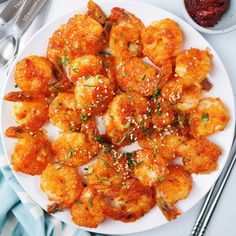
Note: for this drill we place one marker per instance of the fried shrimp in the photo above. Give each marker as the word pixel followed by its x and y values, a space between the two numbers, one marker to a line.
pixel 93 94
pixel 62 184
pixel 199 155
pixel 57 52
pixel 108 170
pixel 189 98
pixel 148 167
pixel 74 149
pixel 88 65
pixel 163 144
pixel 34 74
pixel 32 152
pixel 174 187
pixel 134 75
pixel 125 35
pixel 63 112
pixel 127 118
pixel 88 210
pixel 161 41
pixel 128 201
pixel 210 116
pixel 83 35
pixel 30 110
pixel 193 65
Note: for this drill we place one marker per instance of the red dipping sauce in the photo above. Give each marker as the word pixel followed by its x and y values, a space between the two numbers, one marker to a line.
pixel 206 12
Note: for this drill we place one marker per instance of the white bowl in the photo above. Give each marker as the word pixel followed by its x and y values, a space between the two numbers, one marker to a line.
pixel 226 24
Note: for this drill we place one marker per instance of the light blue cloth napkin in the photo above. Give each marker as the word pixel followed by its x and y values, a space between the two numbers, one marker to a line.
pixel 20 216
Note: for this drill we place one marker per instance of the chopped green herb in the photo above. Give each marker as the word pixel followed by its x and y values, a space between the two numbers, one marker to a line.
pixel 79 202
pixel 87 77
pixel 86 168
pixel 123 138
pixel 156 93
pixel 52 85
pixel 104 53
pixel 144 131
pixel 143 78
pixel 142 121
pixel 128 124
pixel 58 105
pixel 104 149
pixel 131 162
pixel 100 139
pixel 107 165
pixel 205 117
pixel 66 60
pixel 91 202
pixel 59 61
pixel 89 85
pixel 145 64
pixel 159 113
pixel 128 44
pixel 105 64
pixel 129 154
pixel 83 118
pixel 57 208
pixel 124 75
pixel 90 105
pixel 155 152
pixel 161 178
pixel 183 142
pixel 69 153
pixel 76 70
pixel 135 53
pixel 138 43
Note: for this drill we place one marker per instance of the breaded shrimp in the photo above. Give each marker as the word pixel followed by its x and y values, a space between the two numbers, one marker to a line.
pixel 93 94
pixel 174 187
pixel 108 170
pixel 125 37
pixel 134 75
pixel 88 210
pixel 163 144
pixel 83 35
pixel 161 40
pixel 57 53
pixel 128 201
pixel 210 116
pixel 63 112
pixel 32 152
pixel 148 166
pixel 193 65
pixel 199 155
pixel 34 74
pixel 189 98
pixel 74 149
pixel 30 110
pixel 88 65
pixel 127 118
pixel 62 184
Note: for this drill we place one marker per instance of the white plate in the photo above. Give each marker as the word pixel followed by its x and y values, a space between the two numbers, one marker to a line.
pixel 222 88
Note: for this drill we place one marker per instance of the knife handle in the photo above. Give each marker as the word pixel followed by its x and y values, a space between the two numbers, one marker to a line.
pixel 30 10
pixel 9 12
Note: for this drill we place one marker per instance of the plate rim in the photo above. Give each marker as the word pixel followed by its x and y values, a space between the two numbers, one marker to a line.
pixel 81 9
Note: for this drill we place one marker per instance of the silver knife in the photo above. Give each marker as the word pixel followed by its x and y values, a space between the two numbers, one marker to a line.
pixel 10 11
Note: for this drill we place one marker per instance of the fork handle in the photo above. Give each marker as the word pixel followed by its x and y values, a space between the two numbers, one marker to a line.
pixel 30 10
pixel 213 196
pixel 9 12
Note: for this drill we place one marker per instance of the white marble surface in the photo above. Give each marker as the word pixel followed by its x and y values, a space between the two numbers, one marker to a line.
pixel 222 222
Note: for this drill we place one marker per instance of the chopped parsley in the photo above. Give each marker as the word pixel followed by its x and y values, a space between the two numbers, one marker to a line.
pixel 123 138
pixel 135 53
pixel 128 124
pixel 100 139
pixel 128 44
pixel 70 153
pixel 143 78
pixel 76 70
pixel 155 152
pixel 105 64
pixel 90 105
pixel 104 53
pixel 66 60
pixel 205 117
pixel 83 118
pixel 161 178
pixel 156 93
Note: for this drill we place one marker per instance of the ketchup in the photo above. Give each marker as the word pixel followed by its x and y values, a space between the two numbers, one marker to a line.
pixel 206 12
